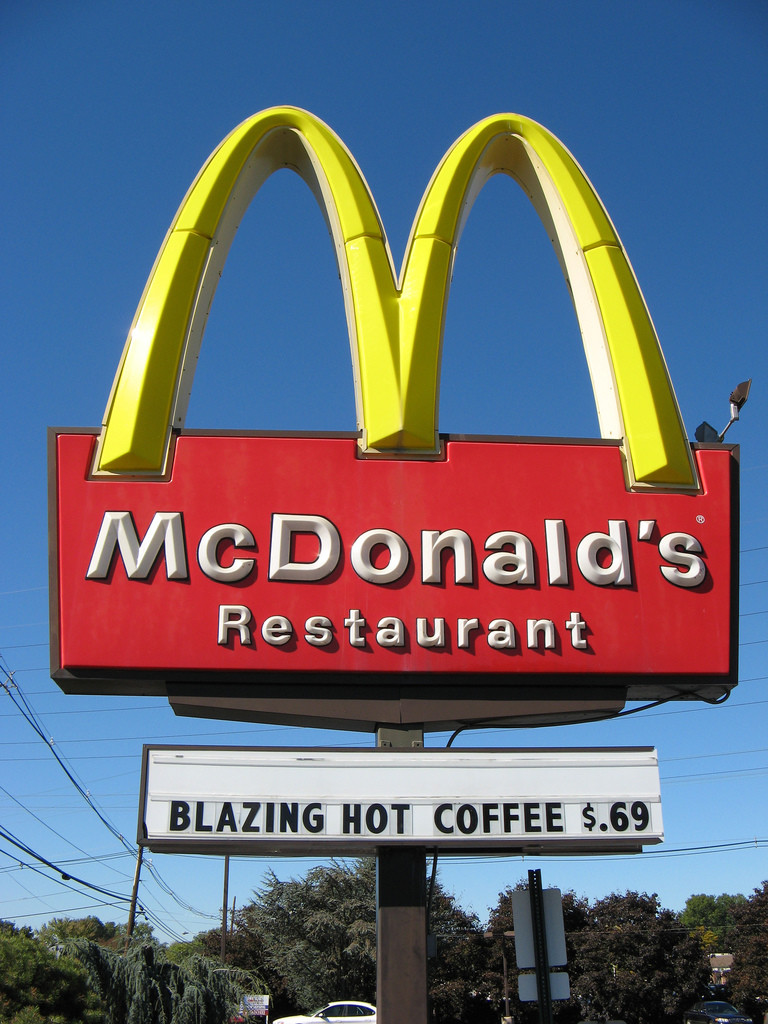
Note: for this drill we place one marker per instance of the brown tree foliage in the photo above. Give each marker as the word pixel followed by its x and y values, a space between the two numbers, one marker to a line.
pixel 749 945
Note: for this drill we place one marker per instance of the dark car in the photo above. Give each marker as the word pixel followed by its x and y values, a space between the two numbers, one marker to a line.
pixel 715 1012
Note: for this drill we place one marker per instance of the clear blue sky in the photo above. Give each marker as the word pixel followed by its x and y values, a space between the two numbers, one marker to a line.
pixel 107 112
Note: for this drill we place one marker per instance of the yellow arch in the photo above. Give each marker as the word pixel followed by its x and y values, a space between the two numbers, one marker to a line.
pixel 396 325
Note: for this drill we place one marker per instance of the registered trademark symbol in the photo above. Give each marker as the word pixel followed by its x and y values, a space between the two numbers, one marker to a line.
pixel 700 519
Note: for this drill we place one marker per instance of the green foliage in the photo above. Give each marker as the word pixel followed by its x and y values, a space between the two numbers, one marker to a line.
pixel 143 987
pixel 182 952
pixel 109 934
pixel 458 974
pixel 633 961
pixel 28 1015
pixel 628 959
pixel 749 945
pixel 306 941
pixel 59 929
pixel 712 917
pixel 319 932
pixel 37 984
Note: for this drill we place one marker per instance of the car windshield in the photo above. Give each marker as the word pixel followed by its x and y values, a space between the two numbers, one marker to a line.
pixel 722 1009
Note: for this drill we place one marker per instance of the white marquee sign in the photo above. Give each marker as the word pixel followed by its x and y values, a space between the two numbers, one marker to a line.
pixel 293 802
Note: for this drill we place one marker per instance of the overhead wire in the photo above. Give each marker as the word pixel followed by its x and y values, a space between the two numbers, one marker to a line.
pixel 43 822
pixel 114 898
pixel 28 713
pixel 9 837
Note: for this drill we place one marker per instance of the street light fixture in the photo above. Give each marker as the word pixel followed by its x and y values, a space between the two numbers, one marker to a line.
pixel 738 398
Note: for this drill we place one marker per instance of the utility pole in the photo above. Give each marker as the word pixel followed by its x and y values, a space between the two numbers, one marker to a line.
pixel 506 1019
pixel 224 908
pixel 134 897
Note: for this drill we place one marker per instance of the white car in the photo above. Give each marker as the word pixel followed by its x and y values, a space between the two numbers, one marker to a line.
pixel 335 1013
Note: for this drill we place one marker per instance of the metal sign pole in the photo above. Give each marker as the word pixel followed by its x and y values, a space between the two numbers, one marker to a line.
pixel 540 947
pixel 401 917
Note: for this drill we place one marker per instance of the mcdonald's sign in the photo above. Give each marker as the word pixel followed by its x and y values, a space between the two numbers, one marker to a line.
pixel 393 574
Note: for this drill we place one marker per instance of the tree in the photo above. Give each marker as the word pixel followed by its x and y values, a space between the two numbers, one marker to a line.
pixel 37 985
pixel 60 928
pixel 142 986
pixel 109 934
pixel 319 932
pixel 313 940
pixel 634 961
pixel 459 982
pixel 712 917
pixel 244 952
pixel 181 952
pixel 749 945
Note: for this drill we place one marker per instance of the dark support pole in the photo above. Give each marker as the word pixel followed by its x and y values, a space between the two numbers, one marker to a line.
pixel 401 917
pixel 540 947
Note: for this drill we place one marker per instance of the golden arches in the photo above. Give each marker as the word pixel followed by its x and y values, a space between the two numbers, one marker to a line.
pixel 396 325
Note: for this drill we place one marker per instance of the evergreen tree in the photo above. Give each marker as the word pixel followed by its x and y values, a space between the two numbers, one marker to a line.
pixel 143 987
pixel 37 985
pixel 319 932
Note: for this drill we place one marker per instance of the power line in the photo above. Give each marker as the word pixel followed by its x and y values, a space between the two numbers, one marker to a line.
pixel 655 852
pixel 65 876
pixel 28 713
pixel 42 822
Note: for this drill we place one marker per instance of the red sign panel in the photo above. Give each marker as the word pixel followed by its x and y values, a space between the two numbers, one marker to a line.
pixel 518 563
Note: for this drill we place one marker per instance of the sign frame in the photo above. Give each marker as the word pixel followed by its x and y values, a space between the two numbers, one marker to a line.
pixel 362 694
pixel 469 792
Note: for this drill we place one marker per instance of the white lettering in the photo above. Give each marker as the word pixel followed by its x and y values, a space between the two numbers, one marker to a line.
pixel 234 616
pixel 426 639
pixel 207 553
pixel 355 623
pixel 557 557
pixel 393 632
pixel 433 543
pixel 319 631
pixel 390 632
pixel 118 530
pixel 695 570
pixel 281 565
pixel 501 634
pixel 577 625
pixel 465 627
pixel 277 630
pixel 541 627
pixel 615 542
pixel 362 551
pixel 516 566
